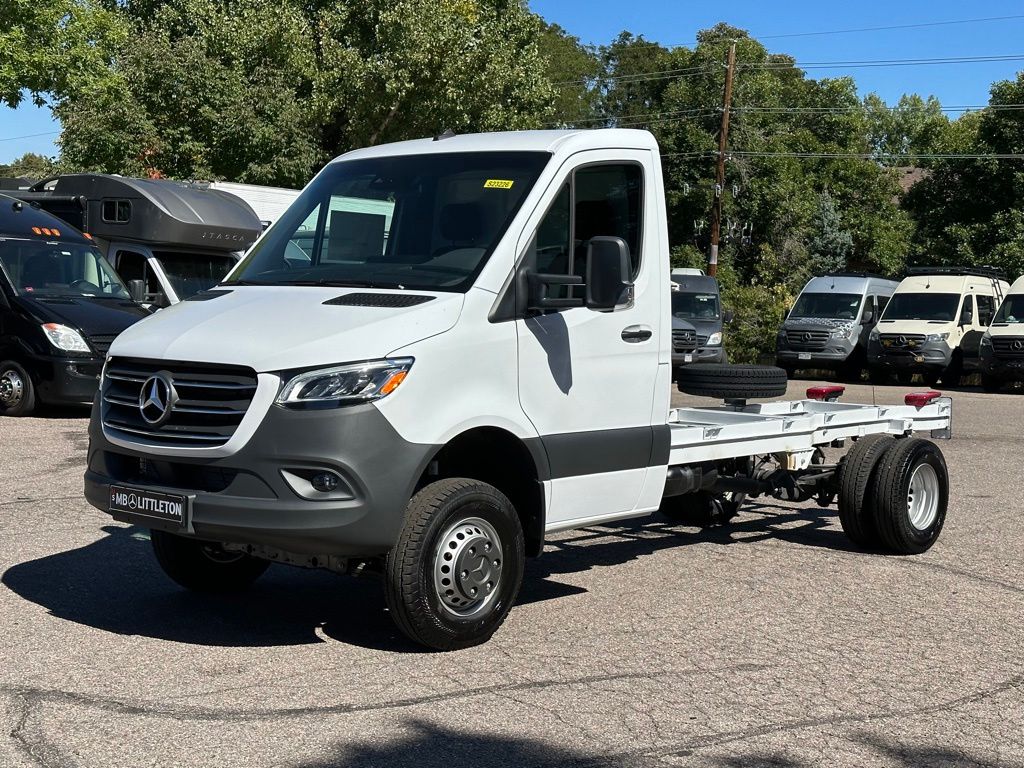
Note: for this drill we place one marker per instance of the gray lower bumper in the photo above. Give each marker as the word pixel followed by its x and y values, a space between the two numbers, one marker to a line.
pixel 246 499
pixel 931 356
pixel 702 355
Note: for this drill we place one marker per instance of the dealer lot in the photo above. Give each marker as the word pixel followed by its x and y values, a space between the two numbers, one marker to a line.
pixel 641 644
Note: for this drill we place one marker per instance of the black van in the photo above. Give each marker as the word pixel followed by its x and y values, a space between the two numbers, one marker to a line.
pixel 61 305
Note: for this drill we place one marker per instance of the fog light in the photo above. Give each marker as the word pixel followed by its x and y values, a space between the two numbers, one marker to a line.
pixel 325 482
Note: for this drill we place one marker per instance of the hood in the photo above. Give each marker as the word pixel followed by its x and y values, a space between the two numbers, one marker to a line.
pixel 678 324
pixel 273 328
pixel 914 326
pixel 807 323
pixel 94 317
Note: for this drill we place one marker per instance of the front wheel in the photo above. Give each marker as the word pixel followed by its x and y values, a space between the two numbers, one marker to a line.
pixel 205 566
pixel 17 393
pixel 456 570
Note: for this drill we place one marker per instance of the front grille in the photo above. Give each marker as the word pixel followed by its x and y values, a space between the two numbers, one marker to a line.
pixel 684 341
pixel 210 402
pixel 807 340
pixel 1008 346
pixel 168 474
pixel 902 343
pixel 101 343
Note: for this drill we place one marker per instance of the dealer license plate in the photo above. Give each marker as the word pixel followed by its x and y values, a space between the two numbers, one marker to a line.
pixel 688 358
pixel 803 356
pixel 168 507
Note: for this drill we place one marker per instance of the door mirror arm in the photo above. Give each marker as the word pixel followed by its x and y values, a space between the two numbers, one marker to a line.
pixel 538 286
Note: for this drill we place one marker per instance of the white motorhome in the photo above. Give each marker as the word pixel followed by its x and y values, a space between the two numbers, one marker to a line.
pixel 269 203
pixel 1002 346
pixel 933 324
pixel 441 382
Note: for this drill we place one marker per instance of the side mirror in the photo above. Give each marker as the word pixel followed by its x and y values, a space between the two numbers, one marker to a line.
pixel 785 313
pixel 868 317
pixel 967 316
pixel 608 273
pixel 137 290
pixel 728 316
pixel 159 300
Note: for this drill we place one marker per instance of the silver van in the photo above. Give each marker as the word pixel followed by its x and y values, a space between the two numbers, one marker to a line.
pixel 828 326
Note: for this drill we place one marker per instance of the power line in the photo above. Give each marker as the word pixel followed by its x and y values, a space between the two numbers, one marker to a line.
pixel 921 25
pixel 880 62
pixel 896 108
pixel 638 77
pixel 30 136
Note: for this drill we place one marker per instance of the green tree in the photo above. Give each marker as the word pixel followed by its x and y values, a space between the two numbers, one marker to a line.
pixel 30 166
pixel 573 70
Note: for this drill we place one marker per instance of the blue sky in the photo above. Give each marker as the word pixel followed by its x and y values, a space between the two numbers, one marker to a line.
pixel 674 22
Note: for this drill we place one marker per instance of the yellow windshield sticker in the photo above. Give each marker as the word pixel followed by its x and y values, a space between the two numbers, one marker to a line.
pixel 498 184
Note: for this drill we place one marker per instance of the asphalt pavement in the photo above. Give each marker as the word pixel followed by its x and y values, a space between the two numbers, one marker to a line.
pixel 767 642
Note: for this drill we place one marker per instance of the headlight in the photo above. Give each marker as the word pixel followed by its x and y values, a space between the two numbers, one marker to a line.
pixel 64 338
pixel 936 337
pixel 346 384
pixel 986 340
pixel 843 333
pixel 874 335
pixel 715 339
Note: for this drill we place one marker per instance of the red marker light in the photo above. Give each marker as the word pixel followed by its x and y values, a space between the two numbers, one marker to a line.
pixel 46 231
pixel 826 393
pixel 37 230
pixel 87 236
pixel 56 232
pixel 921 399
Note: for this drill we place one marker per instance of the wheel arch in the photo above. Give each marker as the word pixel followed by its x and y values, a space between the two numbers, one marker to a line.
pixel 517 467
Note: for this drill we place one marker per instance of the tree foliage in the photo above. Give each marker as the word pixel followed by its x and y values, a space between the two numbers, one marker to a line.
pixel 28 166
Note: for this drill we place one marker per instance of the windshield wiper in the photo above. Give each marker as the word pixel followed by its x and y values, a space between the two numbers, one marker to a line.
pixel 338 283
pixel 242 282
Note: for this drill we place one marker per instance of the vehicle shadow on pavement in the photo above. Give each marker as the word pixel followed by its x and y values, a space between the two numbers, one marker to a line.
pixel 114 584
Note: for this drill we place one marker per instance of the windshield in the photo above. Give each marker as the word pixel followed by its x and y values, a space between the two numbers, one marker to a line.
pixel 1011 310
pixel 38 268
pixel 695 306
pixel 191 273
pixel 833 306
pixel 922 306
pixel 426 222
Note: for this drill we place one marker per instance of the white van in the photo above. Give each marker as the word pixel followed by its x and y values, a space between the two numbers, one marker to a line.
pixel 934 323
pixel 1002 346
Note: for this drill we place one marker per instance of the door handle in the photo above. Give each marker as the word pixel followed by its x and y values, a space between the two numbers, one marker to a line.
pixel 634 334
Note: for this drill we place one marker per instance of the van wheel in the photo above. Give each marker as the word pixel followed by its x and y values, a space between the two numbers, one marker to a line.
pixel 911 492
pixel 732 382
pixel 205 566
pixel 456 570
pixel 17 393
pixel 855 479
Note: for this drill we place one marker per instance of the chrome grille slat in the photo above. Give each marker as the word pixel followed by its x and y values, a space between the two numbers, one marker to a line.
pixel 211 401
pixel 1006 346
pixel 807 340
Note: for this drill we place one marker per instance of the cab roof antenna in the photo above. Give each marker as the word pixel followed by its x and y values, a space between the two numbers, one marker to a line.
pixel 446 134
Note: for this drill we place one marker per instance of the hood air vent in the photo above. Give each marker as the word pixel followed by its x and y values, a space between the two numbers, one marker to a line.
pixel 387 300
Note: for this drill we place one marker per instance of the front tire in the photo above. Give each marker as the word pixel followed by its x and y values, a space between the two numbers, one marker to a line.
pixel 205 566
pixel 17 393
pixel 456 570
pixel 911 493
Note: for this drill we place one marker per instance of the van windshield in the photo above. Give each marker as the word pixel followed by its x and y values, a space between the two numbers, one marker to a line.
pixel 833 306
pixel 191 273
pixel 425 222
pixel 1011 311
pixel 922 306
pixel 39 268
pixel 695 306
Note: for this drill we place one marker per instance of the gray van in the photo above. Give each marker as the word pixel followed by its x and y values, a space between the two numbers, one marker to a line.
pixel 697 319
pixel 829 325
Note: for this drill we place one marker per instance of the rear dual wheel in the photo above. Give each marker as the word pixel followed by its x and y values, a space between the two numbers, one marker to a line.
pixel 893 494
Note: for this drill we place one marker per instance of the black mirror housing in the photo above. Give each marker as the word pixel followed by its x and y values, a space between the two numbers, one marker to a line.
pixel 966 317
pixel 728 316
pixel 868 317
pixel 609 267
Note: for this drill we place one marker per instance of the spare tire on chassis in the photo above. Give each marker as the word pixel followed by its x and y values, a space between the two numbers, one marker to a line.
pixel 732 382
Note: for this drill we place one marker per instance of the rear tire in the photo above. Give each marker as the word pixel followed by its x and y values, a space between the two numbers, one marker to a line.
pixel 732 382
pixel 17 392
pixel 856 512
pixel 443 584
pixel 911 493
pixel 205 566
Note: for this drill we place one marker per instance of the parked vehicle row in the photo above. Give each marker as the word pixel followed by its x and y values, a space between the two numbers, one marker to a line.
pixel 934 324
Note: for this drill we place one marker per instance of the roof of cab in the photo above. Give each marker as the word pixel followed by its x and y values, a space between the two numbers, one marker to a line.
pixel 1018 285
pixel 847 284
pixel 947 283
pixel 692 283
pixel 514 141
pixel 18 218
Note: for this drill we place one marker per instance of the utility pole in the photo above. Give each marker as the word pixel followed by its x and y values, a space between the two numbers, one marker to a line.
pixel 723 140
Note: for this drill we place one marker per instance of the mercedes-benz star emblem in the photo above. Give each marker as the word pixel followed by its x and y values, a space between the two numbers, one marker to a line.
pixel 807 336
pixel 902 341
pixel 156 399
pixel 1018 345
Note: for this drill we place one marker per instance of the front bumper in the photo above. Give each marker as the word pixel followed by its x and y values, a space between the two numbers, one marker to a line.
pixel 1006 368
pixel 247 498
pixel 66 381
pixel 929 357
pixel 827 358
pixel 701 355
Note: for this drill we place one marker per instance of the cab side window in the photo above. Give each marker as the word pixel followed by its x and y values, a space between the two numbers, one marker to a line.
pixel 986 309
pixel 134 266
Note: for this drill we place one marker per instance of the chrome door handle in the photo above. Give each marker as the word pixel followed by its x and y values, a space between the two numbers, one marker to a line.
pixel 634 334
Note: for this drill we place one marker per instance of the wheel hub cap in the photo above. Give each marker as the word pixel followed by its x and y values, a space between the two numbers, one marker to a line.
pixel 12 388
pixel 467 566
pixel 923 497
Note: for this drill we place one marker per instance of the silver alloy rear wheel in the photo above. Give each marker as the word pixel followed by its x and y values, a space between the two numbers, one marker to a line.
pixel 467 566
pixel 923 497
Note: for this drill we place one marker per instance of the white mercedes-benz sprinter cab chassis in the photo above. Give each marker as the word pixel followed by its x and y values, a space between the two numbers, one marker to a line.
pixel 447 349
